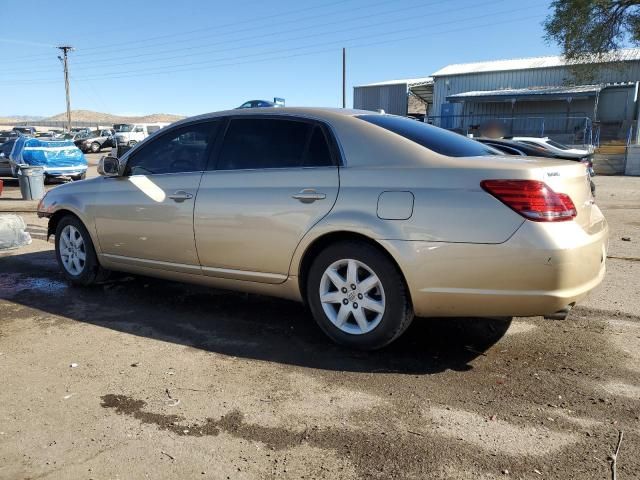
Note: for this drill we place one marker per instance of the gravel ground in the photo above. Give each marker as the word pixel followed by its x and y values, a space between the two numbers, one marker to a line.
pixel 147 378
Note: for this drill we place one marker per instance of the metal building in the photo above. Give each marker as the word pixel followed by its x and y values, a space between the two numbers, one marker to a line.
pixel 411 96
pixel 579 102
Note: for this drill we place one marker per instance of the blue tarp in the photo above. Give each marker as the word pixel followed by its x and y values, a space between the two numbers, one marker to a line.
pixel 57 157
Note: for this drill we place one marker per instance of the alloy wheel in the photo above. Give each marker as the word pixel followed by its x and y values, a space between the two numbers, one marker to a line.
pixel 72 250
pixel 352 296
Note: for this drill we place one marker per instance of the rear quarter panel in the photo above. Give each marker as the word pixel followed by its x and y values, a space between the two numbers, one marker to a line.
pixel 449 205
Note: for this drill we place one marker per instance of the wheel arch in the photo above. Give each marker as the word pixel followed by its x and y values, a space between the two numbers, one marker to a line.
pixel 323 241
pixel 58 215
pixel 54 220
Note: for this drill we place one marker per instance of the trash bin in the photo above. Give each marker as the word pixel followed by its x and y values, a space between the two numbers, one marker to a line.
pixel 31 180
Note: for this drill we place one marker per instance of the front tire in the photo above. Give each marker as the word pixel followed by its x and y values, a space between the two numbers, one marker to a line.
pixel 75 253
pixel 95 147
pixel 357 296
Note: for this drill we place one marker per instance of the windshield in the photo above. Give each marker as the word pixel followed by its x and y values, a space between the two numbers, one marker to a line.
pixel 436 139
pixel 123 127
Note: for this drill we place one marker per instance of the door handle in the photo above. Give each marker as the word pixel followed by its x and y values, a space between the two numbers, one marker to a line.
pixel 309 195
pixel 180 196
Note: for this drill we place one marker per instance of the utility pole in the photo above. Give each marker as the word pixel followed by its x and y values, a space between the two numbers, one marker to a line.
pixel 344 77
pixel 65 50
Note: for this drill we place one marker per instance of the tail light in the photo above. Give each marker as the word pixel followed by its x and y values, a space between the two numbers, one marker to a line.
pixel 532 199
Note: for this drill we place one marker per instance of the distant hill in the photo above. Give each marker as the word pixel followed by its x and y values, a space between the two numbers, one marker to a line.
pixel 20 118
pixel 107 118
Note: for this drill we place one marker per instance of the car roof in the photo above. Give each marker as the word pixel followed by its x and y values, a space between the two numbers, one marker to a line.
pixel 318 113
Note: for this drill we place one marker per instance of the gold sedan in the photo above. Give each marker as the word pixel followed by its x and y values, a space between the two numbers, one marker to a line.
pixel 368 218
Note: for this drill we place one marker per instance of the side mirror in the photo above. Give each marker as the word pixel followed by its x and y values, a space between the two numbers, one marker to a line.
pixel 109 166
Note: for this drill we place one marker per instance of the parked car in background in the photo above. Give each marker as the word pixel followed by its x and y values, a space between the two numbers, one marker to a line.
pixel 558 148
pixel 259 104
pixel 511 147
pixel 5 150
pixel 58 158
pixel 368 218
pixel 130 134
pixel 25 130
pixel 80 130
pixel 96 141
pixel 6 135
pixel 6 147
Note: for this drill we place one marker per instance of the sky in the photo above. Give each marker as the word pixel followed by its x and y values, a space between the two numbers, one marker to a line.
pixel 194 56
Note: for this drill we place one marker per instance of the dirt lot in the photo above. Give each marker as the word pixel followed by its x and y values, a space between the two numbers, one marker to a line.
pixel 143 378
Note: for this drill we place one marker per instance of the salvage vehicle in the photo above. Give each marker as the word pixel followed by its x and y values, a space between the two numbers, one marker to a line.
pixel 80 130
pixel 5 167
pixel 259 104
pixel 129 133
pixel 7 135
pixel 96 141
pixel 58 158
pixel 5 151
pixel 512 147
pixel 556 147
pixel 370 219
pixel 30 131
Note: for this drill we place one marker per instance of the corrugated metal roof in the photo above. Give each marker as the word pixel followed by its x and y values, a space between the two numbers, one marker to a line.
pixel 411 82
pixel 622 55
pixel 576 91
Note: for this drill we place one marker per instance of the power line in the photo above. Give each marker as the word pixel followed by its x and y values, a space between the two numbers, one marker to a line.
pixel 303 28
pixel 173 67
pixel 117 58
pixel 250 20
pixel 282 57
pixel 191 48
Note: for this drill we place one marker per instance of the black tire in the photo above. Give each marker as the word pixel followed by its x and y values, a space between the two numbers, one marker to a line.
pixel 92 272
pixel 82 176
pixel 95 147
pixel 398 312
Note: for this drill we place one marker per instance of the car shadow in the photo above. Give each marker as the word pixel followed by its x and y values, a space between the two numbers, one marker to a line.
pixel 238 324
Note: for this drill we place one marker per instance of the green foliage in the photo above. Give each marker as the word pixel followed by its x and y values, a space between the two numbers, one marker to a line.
pixel 587 28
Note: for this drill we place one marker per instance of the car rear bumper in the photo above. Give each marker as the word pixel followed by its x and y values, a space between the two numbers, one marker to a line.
pixel 541 269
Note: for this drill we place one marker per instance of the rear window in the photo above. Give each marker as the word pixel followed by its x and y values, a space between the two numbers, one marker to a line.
pixel 436 139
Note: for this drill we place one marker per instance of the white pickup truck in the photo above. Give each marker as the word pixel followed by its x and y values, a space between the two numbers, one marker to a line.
pixel 131 133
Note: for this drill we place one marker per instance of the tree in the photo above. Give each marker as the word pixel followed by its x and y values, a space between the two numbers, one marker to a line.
pixel 587 28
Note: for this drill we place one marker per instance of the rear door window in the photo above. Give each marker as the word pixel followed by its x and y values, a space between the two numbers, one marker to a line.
pixel 257 143
pixel 318 152
pixel 436 139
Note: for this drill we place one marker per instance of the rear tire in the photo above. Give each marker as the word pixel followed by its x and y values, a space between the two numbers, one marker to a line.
pixel 95 147
pixel 76 254
pixel 82 176
pixel 357 296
